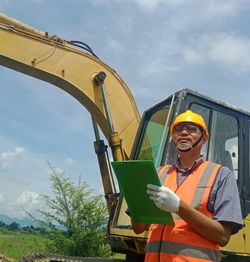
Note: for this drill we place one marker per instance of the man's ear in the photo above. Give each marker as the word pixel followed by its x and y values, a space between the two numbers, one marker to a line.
pixel 204 138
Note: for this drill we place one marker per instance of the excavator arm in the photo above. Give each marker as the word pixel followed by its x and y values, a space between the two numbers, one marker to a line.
pixel 51 59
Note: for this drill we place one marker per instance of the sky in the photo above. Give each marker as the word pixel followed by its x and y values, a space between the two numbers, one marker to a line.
pixel 156 46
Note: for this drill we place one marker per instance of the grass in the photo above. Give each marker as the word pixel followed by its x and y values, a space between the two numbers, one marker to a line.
pixel 18 245
pixel 15 245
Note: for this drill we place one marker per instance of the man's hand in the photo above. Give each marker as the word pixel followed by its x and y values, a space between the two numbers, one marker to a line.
pixel 164 198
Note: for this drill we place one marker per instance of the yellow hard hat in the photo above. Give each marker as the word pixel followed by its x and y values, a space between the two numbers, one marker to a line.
pixel 191 117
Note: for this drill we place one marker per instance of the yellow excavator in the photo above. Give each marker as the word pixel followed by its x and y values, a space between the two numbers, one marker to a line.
pixel 73 67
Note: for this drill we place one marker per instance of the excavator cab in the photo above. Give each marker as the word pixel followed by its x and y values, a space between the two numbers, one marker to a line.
pixel 228 144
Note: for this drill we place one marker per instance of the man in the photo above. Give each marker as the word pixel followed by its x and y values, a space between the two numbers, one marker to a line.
pixel 202 196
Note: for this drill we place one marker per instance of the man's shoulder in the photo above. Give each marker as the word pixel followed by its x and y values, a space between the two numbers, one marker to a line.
pixel 225 176
pixel 222 169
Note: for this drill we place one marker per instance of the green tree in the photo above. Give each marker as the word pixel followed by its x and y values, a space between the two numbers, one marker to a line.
pixel 74 219
pixel 2 224
pixel 14 226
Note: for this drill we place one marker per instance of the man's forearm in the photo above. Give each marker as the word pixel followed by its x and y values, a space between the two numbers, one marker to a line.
pixel 210 229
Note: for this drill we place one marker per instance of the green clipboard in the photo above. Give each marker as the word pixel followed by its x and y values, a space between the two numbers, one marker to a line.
pixel 133 177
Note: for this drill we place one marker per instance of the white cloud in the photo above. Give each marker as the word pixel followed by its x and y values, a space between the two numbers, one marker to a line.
pixel 26 202
pixel 211 8
pixel 221 9
pixel 114 45
pixel 153 4
pixel 231 52
pixel 191 55
pixel 29 198
pixel 37 1
pixel 70 161
pixel 7 158
pixel 55 170
pixel 56 103
pixel 224 50
pixel 216 9
pixel 1 198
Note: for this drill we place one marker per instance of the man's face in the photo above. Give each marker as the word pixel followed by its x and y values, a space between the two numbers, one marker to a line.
pixel 186 134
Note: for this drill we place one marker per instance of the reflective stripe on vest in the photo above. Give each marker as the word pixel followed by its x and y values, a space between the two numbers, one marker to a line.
pixel 183 250
pixel 197 195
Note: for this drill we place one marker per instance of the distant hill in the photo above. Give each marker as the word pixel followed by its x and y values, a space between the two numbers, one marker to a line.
pixel 21 221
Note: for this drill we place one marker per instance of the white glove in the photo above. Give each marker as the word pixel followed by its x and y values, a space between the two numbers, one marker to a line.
pixel 164 198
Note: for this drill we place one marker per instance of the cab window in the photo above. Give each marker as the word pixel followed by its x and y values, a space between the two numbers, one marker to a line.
pixel 223 137
pixel 224 141
pixel 150 145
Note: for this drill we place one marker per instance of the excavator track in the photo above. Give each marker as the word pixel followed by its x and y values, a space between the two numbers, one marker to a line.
pixel 41 257
pixel 4 258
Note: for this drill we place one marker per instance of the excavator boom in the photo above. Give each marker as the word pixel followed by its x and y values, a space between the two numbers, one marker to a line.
pixel 49 58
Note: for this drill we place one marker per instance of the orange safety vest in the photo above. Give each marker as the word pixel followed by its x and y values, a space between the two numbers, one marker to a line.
pixel 180 242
